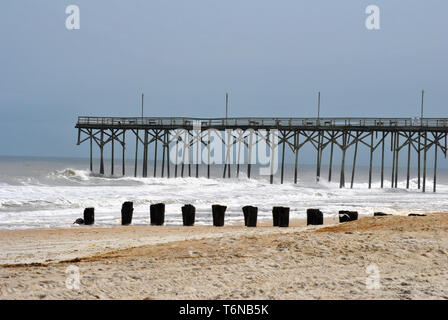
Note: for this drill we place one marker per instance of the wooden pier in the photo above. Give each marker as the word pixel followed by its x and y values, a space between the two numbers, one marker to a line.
pixel 398 135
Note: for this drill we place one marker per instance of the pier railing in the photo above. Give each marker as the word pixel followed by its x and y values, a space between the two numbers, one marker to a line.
pixel 264 122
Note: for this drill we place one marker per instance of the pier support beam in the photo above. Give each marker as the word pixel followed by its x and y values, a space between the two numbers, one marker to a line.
pixel 319 155
pixel 123 160
pixel 344 150
pixel 397 146
pixel 382 159
pixel 331 157
pixel 167 143
pixel 296 153
pixel 436 146
pixel 419 148
pixel 156 138
pixel 372 148
pixel 283 155
pixel 91 150
pixel 408 170
pixel 163 155
pixel 354 160
pixel 112 163
pixel 424 160
pixel 136 152
pixel 249 152
pixel 101 153
pixel 145 155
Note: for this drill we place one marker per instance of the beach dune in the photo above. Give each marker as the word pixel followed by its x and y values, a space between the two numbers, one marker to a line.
pixel 391 257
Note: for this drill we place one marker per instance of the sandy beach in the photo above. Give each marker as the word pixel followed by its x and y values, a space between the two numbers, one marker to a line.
pixel 408 256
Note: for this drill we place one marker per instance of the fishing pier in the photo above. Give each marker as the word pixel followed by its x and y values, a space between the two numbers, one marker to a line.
pixel 189 136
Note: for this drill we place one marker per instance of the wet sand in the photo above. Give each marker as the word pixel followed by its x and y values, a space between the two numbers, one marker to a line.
pixel 391 257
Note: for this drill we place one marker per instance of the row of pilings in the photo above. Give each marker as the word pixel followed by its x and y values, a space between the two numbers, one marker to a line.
pixel 280 215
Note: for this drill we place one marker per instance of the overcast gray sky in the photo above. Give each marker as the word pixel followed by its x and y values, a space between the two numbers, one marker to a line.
pixel 272 56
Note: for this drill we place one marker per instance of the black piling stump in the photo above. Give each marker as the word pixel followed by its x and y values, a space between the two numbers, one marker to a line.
pixel 89 216
pixel 188 214
pixel 79 221
pixel 283 217
pixel 275 215
pixel 250 216
pixel 416 215
pixel 218 212
pixel 346 216
pixel 380 214
pixel 245 211
pixel 314 217
pixel 157 214
pixel 126 213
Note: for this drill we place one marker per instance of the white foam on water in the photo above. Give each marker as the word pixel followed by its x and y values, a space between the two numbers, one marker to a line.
pixel 60 197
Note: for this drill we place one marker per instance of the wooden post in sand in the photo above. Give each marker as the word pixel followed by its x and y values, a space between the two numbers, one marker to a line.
pixel 188 215
pixel 283 217
pixel 346 216
pixel 314 217
pixel 126 213
pixel 89 216
pixel 218 213
pixel 250 216
pixel 275 215
pixel 157 214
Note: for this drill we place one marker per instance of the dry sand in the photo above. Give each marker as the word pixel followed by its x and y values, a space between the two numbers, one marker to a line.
pixel 232 262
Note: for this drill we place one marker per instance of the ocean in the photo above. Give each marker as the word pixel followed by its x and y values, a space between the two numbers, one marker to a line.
pixel 52 193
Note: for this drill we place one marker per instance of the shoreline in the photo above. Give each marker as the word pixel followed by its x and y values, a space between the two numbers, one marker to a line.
pixel 231 262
